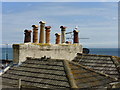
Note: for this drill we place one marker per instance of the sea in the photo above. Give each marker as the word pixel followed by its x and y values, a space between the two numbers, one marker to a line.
pixel 4 52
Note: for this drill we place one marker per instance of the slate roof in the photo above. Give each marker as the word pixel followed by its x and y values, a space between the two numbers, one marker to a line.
pixel 102 63
pixel 53 73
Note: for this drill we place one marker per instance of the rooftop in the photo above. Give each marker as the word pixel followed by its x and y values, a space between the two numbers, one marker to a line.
pixel 102 63
pixel 54 73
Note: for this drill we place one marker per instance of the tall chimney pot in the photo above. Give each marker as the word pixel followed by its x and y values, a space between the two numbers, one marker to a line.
pixel 63 36
pixel 42 26
pixel 48 34
pixel 35 33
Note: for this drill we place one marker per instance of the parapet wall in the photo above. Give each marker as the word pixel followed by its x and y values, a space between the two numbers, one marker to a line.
pixel 55 51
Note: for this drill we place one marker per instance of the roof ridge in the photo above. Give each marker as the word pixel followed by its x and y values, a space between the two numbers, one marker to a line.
pixel 94 70
pixel 69 74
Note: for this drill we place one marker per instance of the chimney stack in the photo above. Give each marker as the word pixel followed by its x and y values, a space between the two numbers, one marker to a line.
pixel 57 38
pixel 27 36
pixel 42 26
pixel 76 38
pixel 35 33
pixel 47 34
pixel 63 38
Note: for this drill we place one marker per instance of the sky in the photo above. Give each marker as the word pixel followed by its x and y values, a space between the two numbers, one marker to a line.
pixel 97 21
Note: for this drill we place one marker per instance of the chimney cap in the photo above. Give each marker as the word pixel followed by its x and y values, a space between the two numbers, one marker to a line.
pixel 47 27
pixel 35 26
pixel 57 34
pixel 42 22
pixel 27 30
pixel 75 31
pixel 63 27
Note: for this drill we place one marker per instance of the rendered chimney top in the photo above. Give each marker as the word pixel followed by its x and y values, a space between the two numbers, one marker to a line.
pixel 42 22
pixel 63 27
pixel 35 26
pixel 47 27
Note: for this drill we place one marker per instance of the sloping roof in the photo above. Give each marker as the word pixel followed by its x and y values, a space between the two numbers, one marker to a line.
pixel 102 63
pixel 38 73
pixel 86 78
pixel 49 73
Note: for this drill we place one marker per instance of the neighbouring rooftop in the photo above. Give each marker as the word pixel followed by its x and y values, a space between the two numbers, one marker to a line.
pixel 54 73
pixel 109 65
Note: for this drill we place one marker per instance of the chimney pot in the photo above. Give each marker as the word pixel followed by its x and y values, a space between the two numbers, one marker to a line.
pixel 63 27
pixel 68 42
pixel 57 38
pixel 76 38
pixel 36 26
pixel 27 36
pixel 63 35
pixel 35 33
pixel 42 22
pixel 42 27
pixel 47 34
pixel 47 27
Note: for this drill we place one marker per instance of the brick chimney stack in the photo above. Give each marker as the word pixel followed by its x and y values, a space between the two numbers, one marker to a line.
pixel 27 36
pixel 47 34
pixel 76 38
pixel 63 36
pixel 42 27
pixel 57 38
pixel 35 33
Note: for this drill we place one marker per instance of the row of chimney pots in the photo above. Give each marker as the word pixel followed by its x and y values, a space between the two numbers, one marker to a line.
pixel 47 34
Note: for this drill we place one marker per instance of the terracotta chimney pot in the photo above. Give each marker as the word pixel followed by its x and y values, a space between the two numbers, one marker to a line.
pixel 35 33
pixel 47 34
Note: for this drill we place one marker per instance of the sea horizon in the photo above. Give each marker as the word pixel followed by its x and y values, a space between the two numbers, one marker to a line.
pixel 97 51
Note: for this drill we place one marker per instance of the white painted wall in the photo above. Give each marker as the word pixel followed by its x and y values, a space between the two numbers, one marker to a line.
pixel 62 51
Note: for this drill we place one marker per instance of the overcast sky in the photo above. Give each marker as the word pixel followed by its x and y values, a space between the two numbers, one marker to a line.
pixel 96 20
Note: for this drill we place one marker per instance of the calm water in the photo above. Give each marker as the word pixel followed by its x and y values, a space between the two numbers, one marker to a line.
pixel 4 51
pixel 99 51
pixel 105 51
